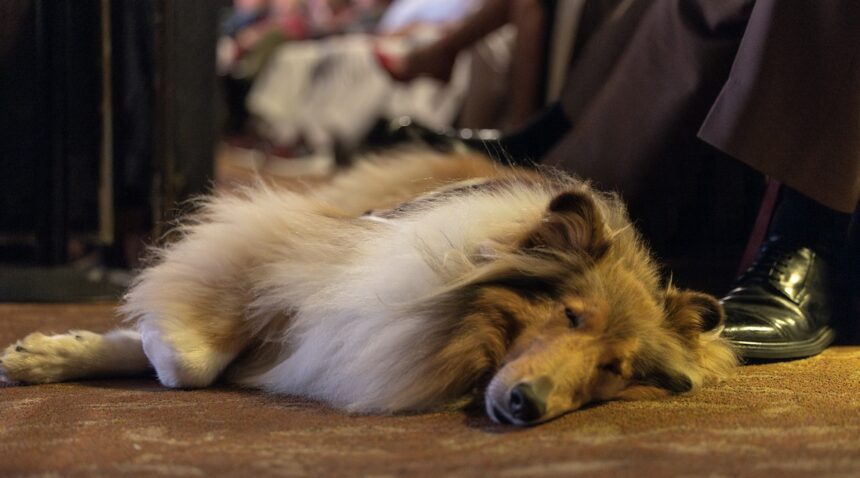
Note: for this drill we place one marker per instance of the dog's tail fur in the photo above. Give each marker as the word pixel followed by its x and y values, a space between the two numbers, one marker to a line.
pixel 76 355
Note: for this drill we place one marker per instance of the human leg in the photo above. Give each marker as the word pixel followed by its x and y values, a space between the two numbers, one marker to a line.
pixel 530 19
pixel 781 307
pixel 790 109
pixel 436 59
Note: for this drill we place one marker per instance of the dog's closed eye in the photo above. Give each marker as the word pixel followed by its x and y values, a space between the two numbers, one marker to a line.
pixel 574 318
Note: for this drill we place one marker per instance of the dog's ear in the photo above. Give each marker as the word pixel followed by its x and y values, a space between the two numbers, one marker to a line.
pixel 572 221
pixel 695 317
pixel 694 314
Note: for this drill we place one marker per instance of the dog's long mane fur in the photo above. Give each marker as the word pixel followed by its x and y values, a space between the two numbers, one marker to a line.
pixel 367 314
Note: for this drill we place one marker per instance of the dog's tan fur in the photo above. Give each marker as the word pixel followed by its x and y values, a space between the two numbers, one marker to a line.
pixel 442 288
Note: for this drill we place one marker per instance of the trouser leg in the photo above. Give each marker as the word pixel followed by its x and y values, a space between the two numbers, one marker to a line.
pixel 791 105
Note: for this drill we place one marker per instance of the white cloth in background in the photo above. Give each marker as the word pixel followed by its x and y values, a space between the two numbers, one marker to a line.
pixel 403 13
pixel 333 90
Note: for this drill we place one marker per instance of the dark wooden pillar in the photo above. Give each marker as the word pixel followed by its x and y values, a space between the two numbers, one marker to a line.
pixel 52 41
pixel 185 125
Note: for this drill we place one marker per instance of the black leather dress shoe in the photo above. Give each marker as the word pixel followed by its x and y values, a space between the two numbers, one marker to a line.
pixel 405 130
pixel 527 146
pixel 485 141
pixel 781 306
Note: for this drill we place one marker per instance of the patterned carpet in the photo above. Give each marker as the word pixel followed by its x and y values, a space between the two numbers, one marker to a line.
pixel 798 418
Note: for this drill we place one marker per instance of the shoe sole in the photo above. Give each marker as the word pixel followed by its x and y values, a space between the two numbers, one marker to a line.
pixel 786 350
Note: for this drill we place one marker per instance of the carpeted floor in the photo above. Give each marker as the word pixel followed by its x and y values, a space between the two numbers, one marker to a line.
pixel 799 418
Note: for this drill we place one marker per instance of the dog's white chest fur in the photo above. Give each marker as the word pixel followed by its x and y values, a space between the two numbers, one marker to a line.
pixel 348 334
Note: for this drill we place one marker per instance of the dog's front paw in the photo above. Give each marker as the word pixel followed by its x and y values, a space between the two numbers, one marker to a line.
pixel 39 358
pixel 5 376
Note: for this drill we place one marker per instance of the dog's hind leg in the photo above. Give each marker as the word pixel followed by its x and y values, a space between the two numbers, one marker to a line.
pixel 78 354
pixel 184 357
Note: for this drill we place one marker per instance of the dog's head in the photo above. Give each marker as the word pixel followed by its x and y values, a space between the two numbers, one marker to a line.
pixel 578 315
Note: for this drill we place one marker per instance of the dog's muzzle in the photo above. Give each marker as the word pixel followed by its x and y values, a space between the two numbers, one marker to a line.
pixel 524 404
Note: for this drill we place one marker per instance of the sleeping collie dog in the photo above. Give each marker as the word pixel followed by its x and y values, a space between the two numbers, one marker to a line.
pixel 408 283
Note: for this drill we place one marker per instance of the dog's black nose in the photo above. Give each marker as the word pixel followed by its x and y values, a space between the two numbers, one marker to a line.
pixel 525 404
